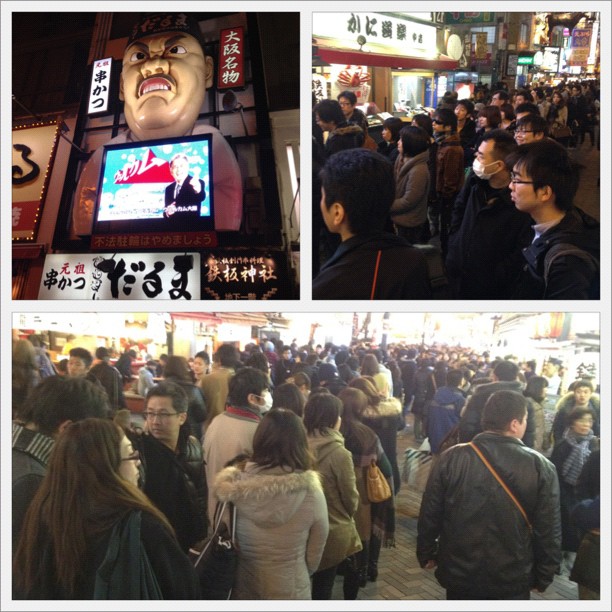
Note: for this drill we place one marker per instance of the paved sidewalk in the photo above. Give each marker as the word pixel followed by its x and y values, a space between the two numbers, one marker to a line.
pixel 399 574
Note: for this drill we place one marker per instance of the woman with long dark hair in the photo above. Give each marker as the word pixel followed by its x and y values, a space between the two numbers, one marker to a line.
pixel 90 487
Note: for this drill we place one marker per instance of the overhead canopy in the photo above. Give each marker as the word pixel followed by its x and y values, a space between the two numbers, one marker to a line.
pixel 379 60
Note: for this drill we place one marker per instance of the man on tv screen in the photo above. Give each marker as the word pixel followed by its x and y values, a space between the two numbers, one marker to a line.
pixel 164 80
pixel 184 196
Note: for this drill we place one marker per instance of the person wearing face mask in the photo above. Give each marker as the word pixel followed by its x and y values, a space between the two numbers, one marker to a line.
pixel 231 432
pixel 486 230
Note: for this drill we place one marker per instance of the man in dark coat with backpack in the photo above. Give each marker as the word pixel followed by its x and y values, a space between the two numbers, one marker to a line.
pixel 562 261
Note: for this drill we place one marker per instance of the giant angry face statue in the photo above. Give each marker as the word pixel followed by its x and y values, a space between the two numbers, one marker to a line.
pixel 163 83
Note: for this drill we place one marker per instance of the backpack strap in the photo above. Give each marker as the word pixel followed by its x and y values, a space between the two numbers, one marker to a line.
pixel 561 249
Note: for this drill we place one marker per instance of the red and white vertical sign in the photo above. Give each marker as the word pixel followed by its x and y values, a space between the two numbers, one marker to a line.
pixel 231 58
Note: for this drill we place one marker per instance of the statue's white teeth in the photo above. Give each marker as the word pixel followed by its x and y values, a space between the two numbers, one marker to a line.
pixel 154 87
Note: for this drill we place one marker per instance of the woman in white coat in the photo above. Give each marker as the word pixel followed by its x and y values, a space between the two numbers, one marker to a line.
pixel 281 524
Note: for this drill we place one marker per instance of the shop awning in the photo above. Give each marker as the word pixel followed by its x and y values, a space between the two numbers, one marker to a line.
pixel 379 60
pixel 246 318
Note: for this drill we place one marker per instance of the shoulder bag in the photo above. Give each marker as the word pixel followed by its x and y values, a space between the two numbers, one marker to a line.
pixel 216 563
pixel 377 486
pixel 503 484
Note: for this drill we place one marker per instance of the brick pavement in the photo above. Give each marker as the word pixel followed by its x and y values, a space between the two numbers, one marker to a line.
pixel 399 574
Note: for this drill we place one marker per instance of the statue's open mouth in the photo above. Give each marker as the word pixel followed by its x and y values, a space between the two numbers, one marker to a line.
pixel 156 83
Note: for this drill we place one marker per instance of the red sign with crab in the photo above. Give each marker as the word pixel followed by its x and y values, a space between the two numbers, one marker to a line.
pixel 353 76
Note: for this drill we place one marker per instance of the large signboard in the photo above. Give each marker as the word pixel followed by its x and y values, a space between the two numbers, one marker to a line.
pixel 34 148
pixel 124 276
pixel 458 18
pixel 99 90
pixel 377 30
pixel 581 45
pixel 231 58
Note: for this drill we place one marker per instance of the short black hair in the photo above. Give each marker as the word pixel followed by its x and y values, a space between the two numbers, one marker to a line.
pixel 547 163
pixel 502 408
pixel 362 181
pixel 203 355
pixel 415 139
pixel 502 94
pixel 504 146
pixel 454 378
pixel 56 400
pixel 524 93
pixel 527 107
pixel 423 121
pixel 102 353
pixel 247 380
pixel 227 355
pixel 172 390
pixel 536 123
pixel 321 412
pixel 83 354
pixel 493 115
pixel 467 104
pixel 330 111
pixel 394 125
pixel 349 95
pixel 506 370
pixel 508 111
pixel 446 117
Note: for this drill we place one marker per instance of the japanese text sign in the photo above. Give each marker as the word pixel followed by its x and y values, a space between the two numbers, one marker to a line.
pixel 122 276
pixel 100 86
pixel 231 58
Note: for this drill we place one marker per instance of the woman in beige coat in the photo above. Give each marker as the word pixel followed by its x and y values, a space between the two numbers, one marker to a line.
pixel 281 515
pixel 335 464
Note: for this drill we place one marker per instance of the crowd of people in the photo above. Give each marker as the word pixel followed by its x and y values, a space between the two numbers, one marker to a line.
pixel 286 433
pixel 492 179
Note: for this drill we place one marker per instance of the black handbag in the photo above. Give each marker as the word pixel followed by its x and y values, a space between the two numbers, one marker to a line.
pixel 216 563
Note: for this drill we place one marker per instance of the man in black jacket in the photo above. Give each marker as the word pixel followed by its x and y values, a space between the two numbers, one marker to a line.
pixel 562 261
pixel 358 190
pixel 472 531
pixel 109 377
pixel 173 463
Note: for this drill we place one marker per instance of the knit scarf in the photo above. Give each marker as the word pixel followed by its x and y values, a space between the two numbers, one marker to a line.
pixel 440 137
pixel 572 466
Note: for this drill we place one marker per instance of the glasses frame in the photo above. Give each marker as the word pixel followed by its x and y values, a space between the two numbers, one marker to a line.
pixel 135 456
pixel 516 181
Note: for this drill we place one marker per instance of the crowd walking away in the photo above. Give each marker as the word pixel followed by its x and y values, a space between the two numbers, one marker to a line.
pixel 108 504
pixel 484 199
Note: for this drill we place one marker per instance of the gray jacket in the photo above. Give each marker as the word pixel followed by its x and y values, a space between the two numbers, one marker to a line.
pixel 409 209
pixel 281 529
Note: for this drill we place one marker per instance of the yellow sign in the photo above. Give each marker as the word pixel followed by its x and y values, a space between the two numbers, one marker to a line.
pixel 481 45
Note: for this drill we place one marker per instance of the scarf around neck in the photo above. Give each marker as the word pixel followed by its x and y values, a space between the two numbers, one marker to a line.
pixel 572 466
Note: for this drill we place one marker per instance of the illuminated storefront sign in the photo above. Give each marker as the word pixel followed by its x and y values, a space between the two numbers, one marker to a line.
pixel 459 18
pixel 154 240
pixel 34 148
pixel 550 61
pixel 379 31
pixel 231 58
pixel 245 275
pixel 100 86
pixel 581 44
pixel 124 276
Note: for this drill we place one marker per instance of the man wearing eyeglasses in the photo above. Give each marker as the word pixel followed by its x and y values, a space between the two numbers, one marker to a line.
pixel 562 261
pixel 530 128
pixel 173 463
pixel 486 230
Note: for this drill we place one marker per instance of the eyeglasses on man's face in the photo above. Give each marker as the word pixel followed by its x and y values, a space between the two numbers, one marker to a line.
pixel 162 416
pixel 524 132
pixel 516 180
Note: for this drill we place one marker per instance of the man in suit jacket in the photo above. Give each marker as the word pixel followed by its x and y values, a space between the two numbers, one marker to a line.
pixel 184 196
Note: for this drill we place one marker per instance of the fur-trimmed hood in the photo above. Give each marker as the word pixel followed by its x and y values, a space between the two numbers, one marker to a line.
pixel 389 407
pixel 269 496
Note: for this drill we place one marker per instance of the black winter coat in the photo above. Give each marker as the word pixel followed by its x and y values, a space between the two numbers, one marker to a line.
pixel 176 484
pixel 570 276
pixel 485 240
pixel 484 545
pixel 349 274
